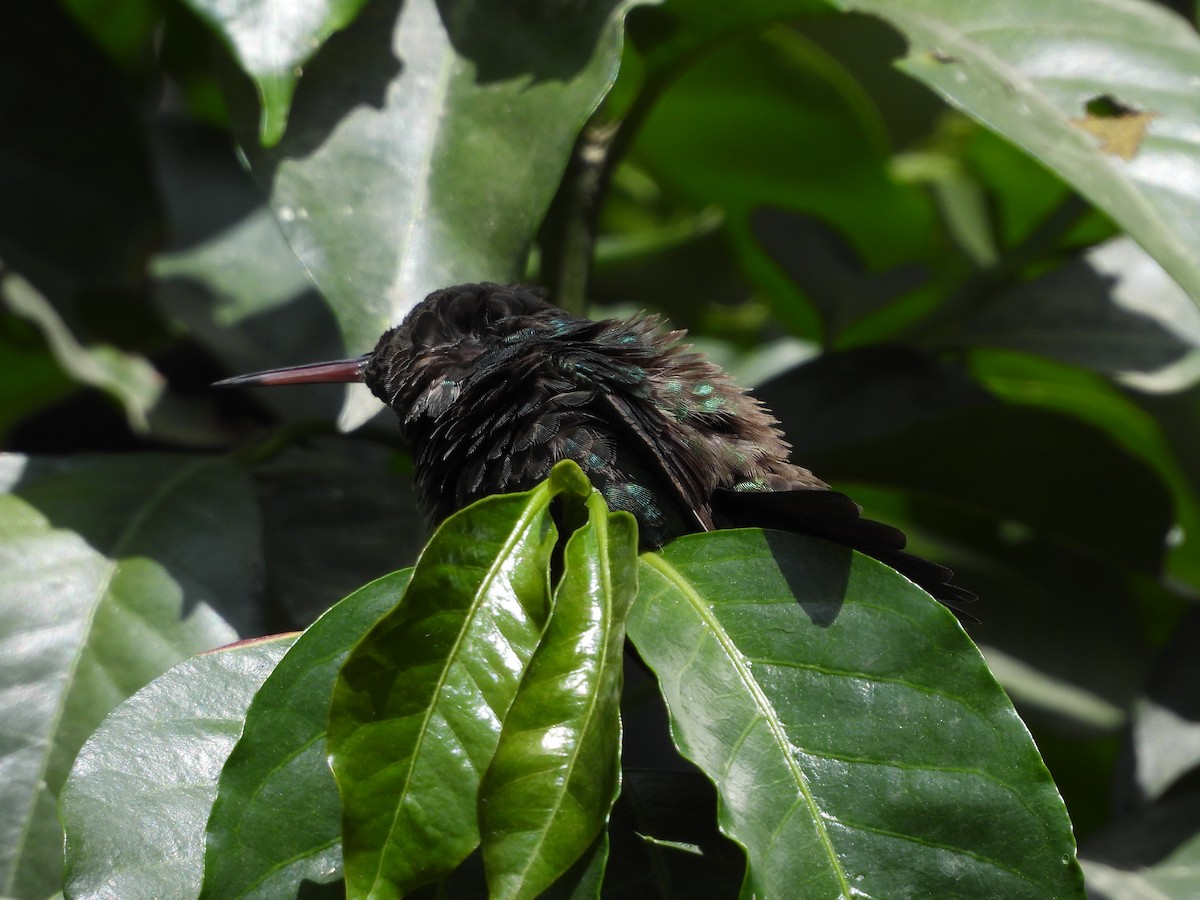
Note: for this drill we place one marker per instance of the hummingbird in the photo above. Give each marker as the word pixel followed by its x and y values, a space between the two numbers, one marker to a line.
pixel 493 385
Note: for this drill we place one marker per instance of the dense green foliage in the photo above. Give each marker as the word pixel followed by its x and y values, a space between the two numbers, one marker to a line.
pixel 954 246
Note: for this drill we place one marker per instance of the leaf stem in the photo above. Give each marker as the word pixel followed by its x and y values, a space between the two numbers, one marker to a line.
pixel 569 232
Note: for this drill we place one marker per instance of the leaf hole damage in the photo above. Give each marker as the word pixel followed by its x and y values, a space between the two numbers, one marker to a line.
pixel 1120 128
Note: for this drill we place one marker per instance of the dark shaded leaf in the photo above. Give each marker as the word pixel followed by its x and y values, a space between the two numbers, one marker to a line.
pixel 935 433
pixel 665 841
pixel 1113 311
pixel 334 517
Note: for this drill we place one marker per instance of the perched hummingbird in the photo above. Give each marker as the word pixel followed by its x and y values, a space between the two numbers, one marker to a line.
pixel 494 385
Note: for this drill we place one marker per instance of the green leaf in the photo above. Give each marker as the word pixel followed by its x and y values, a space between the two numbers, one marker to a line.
pixel 549 788
pixel 109 571
pixel 418 707
pixel 888 417
pixel 773 122
pixel 277 819
pixel 858 743
pixel 143 785
pixel 1030 72
pixel 129 378
pixel 425 146
pixel 272 40
pixel 228 277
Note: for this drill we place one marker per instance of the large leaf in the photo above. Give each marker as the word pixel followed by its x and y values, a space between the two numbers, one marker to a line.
pixel 1044 383
pixel 419 704
pixel 277 819
pixel 858 743
pixel 426 142
pixel 227 275
pixel 548 791
pixel 1111 107
pixel 142 787
pixel 109 571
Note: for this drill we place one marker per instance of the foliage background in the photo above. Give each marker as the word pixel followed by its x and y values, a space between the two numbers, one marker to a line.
pixel 928 273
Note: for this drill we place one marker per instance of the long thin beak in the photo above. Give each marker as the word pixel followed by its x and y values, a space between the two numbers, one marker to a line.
pixel 342 370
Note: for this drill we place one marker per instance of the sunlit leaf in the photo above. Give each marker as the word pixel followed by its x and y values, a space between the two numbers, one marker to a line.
pixel 142 787
pixel 556 772
pixel 856 738
pixel 424 147
pixel 110 569
pixel 419 704
pixel 272 40
pixel 129 378
pixel 1030 71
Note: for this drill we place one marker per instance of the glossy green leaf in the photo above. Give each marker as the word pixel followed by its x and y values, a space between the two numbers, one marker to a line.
pixel 277 819
pixel 143 785
pixel 858 743
pixel 110 569
pixel 419 704
pixel 272 40
pixel 549 788
pixel 425 145
pixel 1029 70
